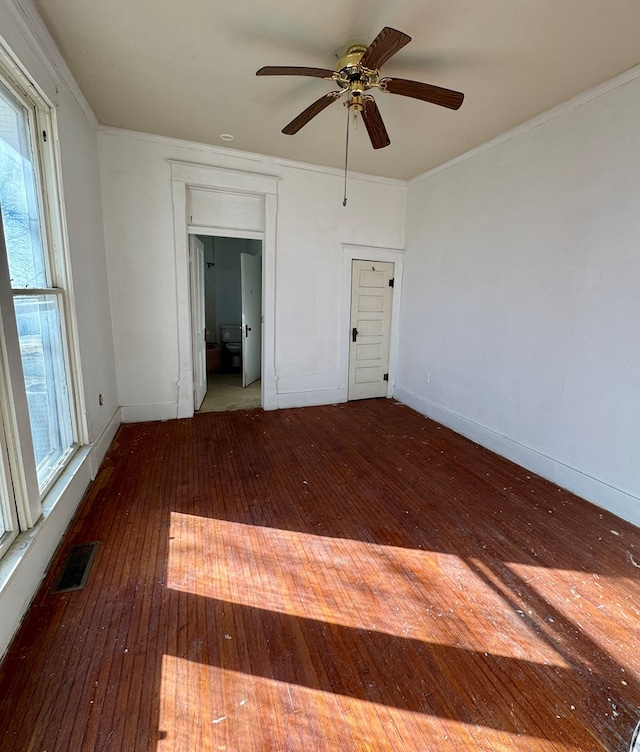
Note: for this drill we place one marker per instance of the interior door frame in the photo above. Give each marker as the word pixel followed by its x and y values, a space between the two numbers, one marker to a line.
pixel 185 175
pixel 244 261
pixel 197 274
pixel 369 253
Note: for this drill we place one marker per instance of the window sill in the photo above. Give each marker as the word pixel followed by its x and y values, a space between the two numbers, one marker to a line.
pixel 64 492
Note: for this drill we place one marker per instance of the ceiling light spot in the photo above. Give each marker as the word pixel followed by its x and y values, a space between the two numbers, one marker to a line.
pixel 226 137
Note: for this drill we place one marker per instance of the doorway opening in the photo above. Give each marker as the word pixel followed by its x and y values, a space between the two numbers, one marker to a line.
pixel 226 303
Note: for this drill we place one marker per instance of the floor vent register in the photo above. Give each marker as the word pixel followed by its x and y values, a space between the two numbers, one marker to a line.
pixel 76 570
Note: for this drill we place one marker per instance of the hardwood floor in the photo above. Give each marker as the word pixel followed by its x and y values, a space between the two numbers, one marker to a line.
pixel 350 577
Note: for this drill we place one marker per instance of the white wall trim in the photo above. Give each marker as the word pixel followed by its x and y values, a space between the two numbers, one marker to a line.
pixel 24 565
pixel 570 104
pixel 310 398
pixel 222 179
pixel 44 47
pixel 101 445
pixel 186 175
pixel 224 232
pixel 615 500
pixel 26 562
pixel 369 253
pixel 151 411
pixel 261 159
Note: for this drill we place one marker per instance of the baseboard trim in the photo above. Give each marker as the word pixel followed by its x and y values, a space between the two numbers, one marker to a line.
pixel 103 442
pixel 612 499
pixel 311 398
pixel 27 561
pixel 25 564
pixel 146 413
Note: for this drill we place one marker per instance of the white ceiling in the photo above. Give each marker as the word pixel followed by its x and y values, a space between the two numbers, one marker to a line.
pixel 186 68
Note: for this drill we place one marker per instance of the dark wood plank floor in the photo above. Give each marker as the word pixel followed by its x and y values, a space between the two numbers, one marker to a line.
pixel 350 577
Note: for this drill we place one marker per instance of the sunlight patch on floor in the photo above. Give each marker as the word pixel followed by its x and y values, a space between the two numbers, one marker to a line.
pixel 209 708
pixel 412 594
pixel 591 602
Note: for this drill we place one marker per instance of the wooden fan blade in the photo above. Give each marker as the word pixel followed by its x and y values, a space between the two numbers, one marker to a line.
pixel 385 45
pixel 425 92
pixel 312 110
pixel 375 127
pixel 284 70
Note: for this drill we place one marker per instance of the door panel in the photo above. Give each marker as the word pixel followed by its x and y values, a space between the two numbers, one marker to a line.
pixel 251 277
pixel 369 352
pixel 371 298
pixel 371 328
pixel 198 326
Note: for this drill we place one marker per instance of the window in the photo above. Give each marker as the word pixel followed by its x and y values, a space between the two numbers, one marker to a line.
pixel 38 408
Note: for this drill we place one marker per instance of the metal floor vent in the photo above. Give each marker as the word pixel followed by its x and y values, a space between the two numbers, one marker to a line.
pixel 77 567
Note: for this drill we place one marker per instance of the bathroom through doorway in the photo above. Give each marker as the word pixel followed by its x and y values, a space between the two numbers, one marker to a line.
pixel 226 318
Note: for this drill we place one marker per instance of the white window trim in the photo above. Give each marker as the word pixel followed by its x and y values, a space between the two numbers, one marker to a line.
pixel 14 409
pixel 7 508
pixel 17 473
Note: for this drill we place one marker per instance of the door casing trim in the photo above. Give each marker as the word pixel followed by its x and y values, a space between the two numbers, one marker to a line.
pixel 369 253
pixel 186 175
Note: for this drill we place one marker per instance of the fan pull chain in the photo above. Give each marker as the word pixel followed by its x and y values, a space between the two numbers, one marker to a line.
pixel 346 159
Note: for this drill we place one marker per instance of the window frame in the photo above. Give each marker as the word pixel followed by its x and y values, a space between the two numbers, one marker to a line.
pixel 22 497
pixel 7 508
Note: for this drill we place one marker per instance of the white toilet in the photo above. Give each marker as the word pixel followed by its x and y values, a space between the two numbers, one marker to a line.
pixel 231 337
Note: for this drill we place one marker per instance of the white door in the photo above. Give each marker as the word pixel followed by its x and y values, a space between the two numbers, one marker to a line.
pixel 251 277
pixel 371 298
pixel 198 327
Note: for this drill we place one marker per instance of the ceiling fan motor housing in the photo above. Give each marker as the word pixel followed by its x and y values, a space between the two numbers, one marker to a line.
pixel 348 64
pixel 352 77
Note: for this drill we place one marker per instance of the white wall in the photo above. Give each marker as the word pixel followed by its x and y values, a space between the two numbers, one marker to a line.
pixel 228 290
pixel 83 206
pixel 210 320
pixel 222 288
pixel 23 567
pixel 312 225
pixel 522 297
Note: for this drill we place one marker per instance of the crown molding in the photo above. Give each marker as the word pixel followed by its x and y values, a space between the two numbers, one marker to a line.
pixel 225 151
pixel 44 47
pixel 579 100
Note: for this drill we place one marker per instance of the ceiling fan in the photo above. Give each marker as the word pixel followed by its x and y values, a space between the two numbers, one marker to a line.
pixel 357 72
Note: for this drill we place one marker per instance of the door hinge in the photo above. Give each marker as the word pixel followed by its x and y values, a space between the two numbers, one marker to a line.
pixel 385 377
pixel 391 281
pixel 44 135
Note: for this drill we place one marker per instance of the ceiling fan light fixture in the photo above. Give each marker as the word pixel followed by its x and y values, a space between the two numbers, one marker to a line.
pixel 358 71
pixel 355 103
